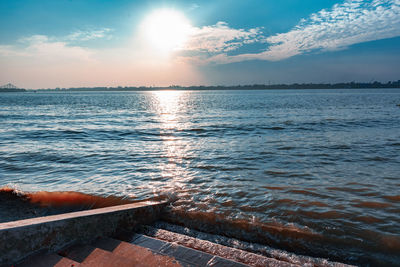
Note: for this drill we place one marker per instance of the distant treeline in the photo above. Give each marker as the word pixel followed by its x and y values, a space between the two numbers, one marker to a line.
pixel 11 90
pixel 350 85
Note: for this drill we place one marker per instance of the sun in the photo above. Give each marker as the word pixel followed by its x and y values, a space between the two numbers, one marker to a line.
pixel 166 30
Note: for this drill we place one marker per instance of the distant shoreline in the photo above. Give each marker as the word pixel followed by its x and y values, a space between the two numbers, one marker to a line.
pixel 351 85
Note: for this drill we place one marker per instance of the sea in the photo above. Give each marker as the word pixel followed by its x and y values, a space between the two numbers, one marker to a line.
pixel 312 172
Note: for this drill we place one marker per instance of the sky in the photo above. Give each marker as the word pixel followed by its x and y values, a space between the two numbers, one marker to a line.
pixel 76 43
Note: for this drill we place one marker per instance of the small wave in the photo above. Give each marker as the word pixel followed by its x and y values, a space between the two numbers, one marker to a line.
pixel 394 144
pixel 302 203
pixel 220 168
pixel 228 203
pixel 305 192
pixel 347 189
pixel 356 183
pixel 201 219
pixel 196 130
pixel 377 158
pixel 393 198
pixel 285 148
pixel 276 187
pixel 75 199
pixel 318 215
pixel 285 174
pixel 64 199
pixel 275 173
pixel 368 219
pixel 340 147
pixel 371 204
pixel 315 203
pixel 286 201
pixel 43 134
pixel 275 128
pixel 11 193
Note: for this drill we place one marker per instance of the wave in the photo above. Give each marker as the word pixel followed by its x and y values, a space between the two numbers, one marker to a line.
pixel 348 189
pixel 301 240
pixel 62 199
pixel 301 203
pixel 291 237
pixel 393 198
pixel 371 204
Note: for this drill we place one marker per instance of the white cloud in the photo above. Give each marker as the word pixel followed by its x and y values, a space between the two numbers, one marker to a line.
pixel 352 22
pixel 46 49
pixel 193 6
pixel 89 35
pixel 220 38
pixel 43 49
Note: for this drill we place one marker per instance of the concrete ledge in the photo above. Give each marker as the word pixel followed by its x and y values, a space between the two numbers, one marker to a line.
pixel 20 239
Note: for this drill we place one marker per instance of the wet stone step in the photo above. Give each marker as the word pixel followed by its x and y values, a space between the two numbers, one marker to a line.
pixel 185 256
pixel 222 251
pixel 252 254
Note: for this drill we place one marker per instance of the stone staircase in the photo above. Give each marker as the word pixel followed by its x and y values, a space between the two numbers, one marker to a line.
pixel 164 244
pixel 143 250
pixel 139 239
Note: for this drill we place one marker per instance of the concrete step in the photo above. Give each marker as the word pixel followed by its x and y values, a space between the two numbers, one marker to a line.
pixel 207 247
pixel 88 255
pixel 141 255
pixel 102 258
pixel 247 253
pixel 77 253
pixel 49 260
pixel 184 255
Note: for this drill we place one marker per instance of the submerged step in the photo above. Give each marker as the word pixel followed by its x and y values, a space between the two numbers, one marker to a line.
pixel 184 255
pixel 237 250
pixel 209 248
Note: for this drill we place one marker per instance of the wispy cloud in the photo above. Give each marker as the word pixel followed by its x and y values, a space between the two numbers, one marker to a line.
pixel 87 35
pixel 345 24
pixel 46 49
pixel 193 6
pixel 43 49
pixel 220 38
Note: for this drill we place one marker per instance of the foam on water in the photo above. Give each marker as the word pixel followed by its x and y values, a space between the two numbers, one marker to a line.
pixel 16 204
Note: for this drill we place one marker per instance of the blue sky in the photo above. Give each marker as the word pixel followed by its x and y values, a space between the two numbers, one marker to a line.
pixel 68 43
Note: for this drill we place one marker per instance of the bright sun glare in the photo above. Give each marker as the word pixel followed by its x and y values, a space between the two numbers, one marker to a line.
pixel 166 30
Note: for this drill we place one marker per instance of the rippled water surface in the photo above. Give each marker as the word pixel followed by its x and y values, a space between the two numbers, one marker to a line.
pixel 316 172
